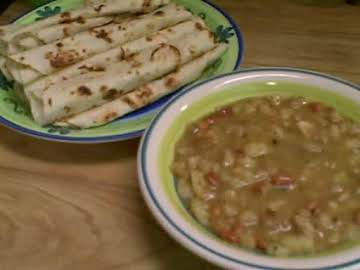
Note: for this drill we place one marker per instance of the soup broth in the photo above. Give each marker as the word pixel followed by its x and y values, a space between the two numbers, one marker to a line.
pixel 280 175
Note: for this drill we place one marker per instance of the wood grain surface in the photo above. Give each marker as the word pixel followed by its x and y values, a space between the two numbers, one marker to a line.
pixel 75 207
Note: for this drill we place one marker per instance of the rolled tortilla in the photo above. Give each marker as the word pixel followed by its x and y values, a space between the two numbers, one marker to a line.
pixel 58 31
pixel 59 54
pixel 96 62
pixel 24 74
pixel 144 95
pixel 89 90
pixel 102 8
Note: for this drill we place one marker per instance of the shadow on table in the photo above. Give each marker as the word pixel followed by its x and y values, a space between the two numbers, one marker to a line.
pixel 167 254
pixel 172 255
pixel 67 152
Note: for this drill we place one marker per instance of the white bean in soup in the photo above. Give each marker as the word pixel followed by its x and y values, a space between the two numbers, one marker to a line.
pixel 275 174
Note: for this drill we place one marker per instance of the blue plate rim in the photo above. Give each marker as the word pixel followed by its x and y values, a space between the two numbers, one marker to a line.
pixel 144 178
pixel 122 136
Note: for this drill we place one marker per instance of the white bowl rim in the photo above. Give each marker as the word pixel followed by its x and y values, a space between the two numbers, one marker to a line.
pixel 173 228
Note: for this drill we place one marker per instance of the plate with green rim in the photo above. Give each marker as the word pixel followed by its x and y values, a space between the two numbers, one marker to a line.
pixel 16 116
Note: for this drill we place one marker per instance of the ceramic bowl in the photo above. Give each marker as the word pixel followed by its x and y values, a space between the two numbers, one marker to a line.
pixel 157 148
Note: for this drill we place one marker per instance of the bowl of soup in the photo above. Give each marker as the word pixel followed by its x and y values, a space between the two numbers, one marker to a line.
pixel 259 169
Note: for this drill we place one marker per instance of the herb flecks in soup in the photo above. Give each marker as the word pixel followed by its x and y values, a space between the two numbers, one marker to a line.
pixel 280 175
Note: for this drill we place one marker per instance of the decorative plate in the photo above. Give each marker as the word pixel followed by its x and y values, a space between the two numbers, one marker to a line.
pixel 16 116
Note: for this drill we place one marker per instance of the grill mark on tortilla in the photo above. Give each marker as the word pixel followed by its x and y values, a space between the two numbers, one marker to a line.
pixel 65 15
pixel 22 58
pixel 212 37
pixel 72 93
pixel 131 57
pixel 138 14
pixel 103 88
pixel 109 22
pixel 110 116
pixel 67 109
pixel 66 32
pixel 148 38
pixel 159 13
pixel 103 35
pixel 111 94
pixel 98 8
pixel 170 29
pixel 79 19
pixel 84 91
pixel 129 102
pixel 171 47
pixel 136 64
pixel 64 78
pixel 121 55
pixel 62 58
pixel 50 102
pixel 146 3
pixel 171 82
pixel 93 69
pixel 144 92
pixel 199 26
pixel 59 45
pixel 162 45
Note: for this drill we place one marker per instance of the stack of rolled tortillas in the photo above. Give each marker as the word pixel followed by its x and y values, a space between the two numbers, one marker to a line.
pixel 90 65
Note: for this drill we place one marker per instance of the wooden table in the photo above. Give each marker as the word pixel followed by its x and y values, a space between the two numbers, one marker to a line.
pixel 74 207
